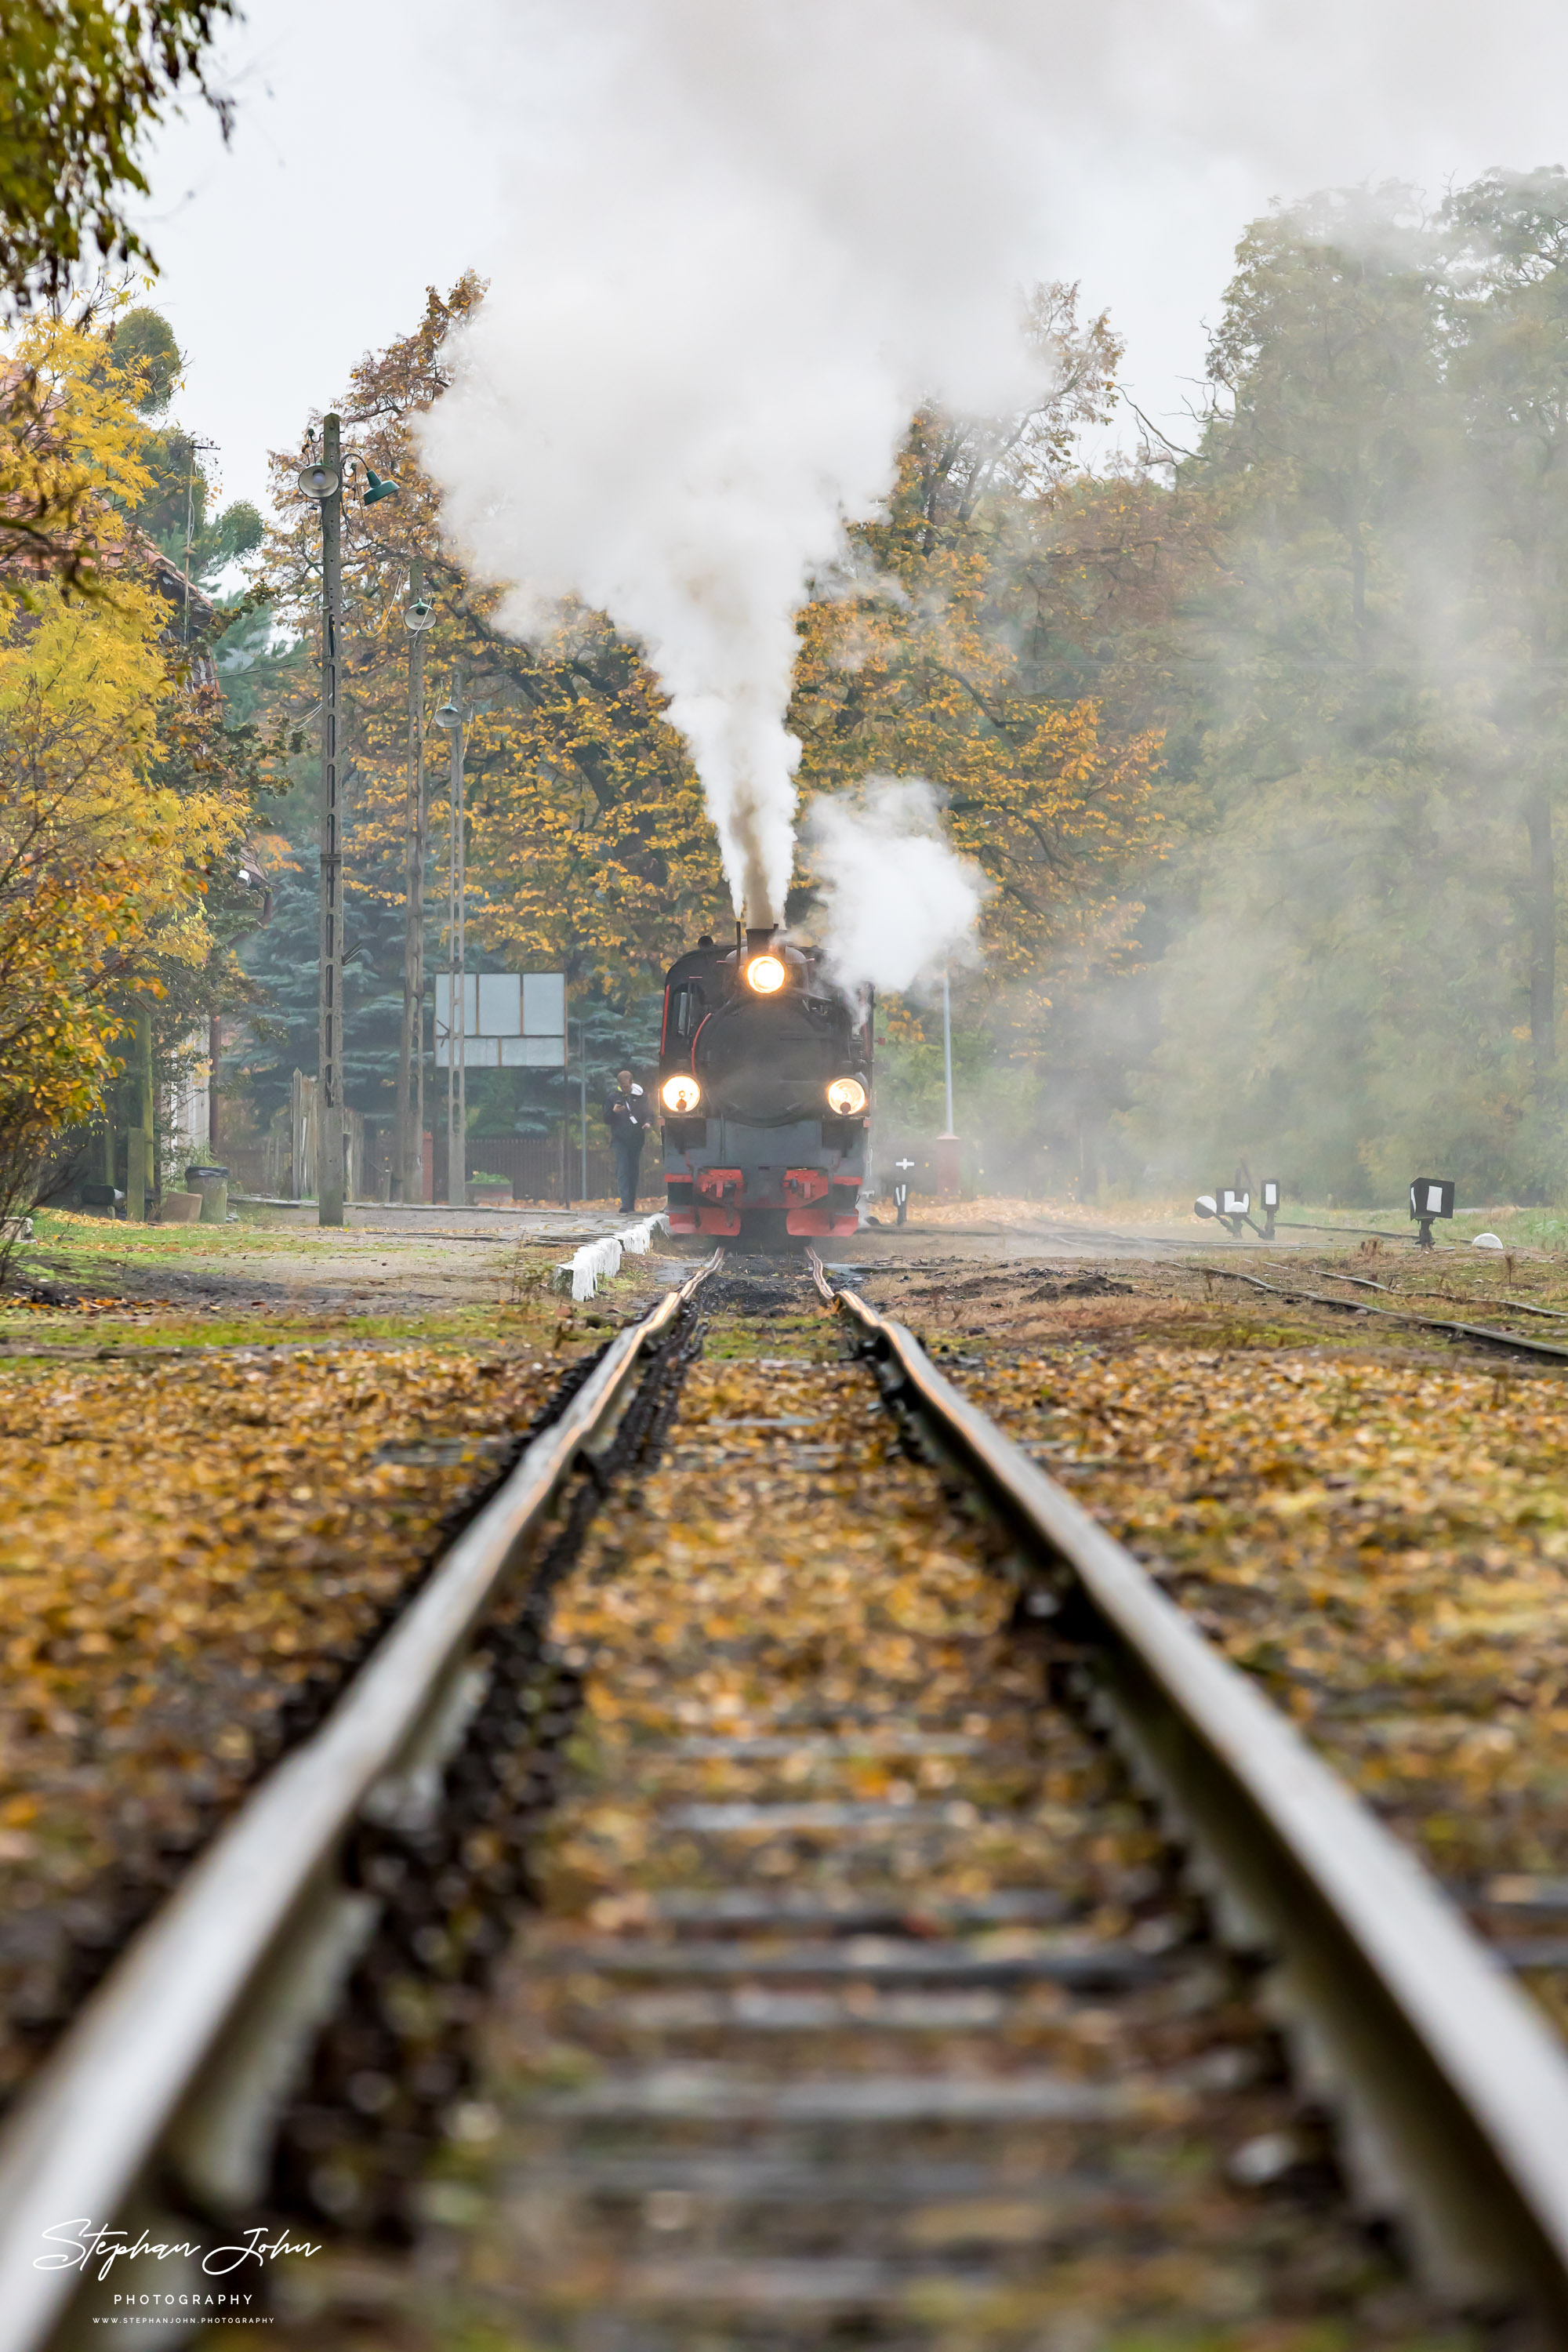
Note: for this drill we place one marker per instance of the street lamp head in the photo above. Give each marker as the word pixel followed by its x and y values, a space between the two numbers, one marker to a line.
pixel 317 481
pixel 377 486
pixel 448 717
pixel 419 614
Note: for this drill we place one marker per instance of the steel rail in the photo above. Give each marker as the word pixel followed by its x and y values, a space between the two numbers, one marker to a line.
pixel 1391 1290
pixel 1451 2088
pixel 1488 1333
pixel 1382 1233
pixel 175 2066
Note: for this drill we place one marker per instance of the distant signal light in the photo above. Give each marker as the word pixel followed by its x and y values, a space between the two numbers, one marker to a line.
pixel 1430 1196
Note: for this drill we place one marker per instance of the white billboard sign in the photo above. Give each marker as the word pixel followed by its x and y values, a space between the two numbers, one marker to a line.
pixel 512 1020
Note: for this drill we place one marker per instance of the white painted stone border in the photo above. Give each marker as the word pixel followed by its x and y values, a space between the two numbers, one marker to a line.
pixel 598 1261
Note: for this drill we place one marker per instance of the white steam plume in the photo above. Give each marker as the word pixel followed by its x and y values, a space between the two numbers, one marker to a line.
pixel 897 904
pixel 746 240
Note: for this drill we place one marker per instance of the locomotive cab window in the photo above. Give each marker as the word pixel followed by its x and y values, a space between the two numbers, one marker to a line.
pixel 685 1009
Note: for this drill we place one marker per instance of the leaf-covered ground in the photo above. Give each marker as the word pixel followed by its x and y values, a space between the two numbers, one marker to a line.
pixel 1385 1546
pixel 91 1287
pixel 1373 1522
pixel 193 1554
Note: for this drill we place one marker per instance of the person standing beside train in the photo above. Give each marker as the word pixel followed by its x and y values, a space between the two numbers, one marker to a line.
pixel 625 1113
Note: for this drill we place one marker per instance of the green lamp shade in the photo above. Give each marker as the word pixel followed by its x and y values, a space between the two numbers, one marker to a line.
pixel 378 486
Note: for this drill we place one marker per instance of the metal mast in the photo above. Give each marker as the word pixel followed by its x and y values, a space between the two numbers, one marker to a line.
pixel 409 1173
pixel 451 716
pixel 329 1176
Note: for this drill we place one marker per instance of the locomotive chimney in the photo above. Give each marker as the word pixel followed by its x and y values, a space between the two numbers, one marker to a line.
pixel 759 940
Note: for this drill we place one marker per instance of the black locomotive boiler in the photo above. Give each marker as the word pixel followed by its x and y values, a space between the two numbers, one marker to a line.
pixel 764 1085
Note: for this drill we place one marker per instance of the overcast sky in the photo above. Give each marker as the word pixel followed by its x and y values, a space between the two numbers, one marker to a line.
pixel 371 149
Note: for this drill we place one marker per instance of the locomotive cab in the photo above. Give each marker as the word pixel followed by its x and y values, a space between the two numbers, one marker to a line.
pixel 765 1088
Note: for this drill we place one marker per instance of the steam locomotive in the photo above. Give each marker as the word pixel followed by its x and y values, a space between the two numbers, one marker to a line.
pixel 765 1084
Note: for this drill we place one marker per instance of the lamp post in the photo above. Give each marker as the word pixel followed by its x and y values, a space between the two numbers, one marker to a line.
pixel 452 718
pixel 191 449
pixel 323 481
pixel 408 1176
pixel 947 1142
pixel 583 1098
pixel 140 1172
pixel 449 719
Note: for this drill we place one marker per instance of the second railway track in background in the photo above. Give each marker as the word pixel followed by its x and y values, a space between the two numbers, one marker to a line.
pixel 1485 1335
pixel 949 1947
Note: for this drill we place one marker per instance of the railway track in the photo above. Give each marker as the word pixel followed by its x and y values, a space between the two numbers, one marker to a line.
pixel 1485 1335
pixel 936 1943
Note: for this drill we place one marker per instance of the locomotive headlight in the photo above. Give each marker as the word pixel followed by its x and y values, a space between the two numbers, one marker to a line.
pixel 847 1095
pixel 765 973
pixel 680 1094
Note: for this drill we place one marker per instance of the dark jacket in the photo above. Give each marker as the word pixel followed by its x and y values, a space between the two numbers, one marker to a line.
pixel 628 1114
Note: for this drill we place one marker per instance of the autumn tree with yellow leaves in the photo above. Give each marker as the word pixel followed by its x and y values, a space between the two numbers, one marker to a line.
pixel 589 849
pixel 914 678
pixel 111 823
pixel 100 871
pixel 120 797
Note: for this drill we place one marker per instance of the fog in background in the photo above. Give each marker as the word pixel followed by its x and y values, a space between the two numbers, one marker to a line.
pixel 373 141
pixel 1370 722
pixel 1353 958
